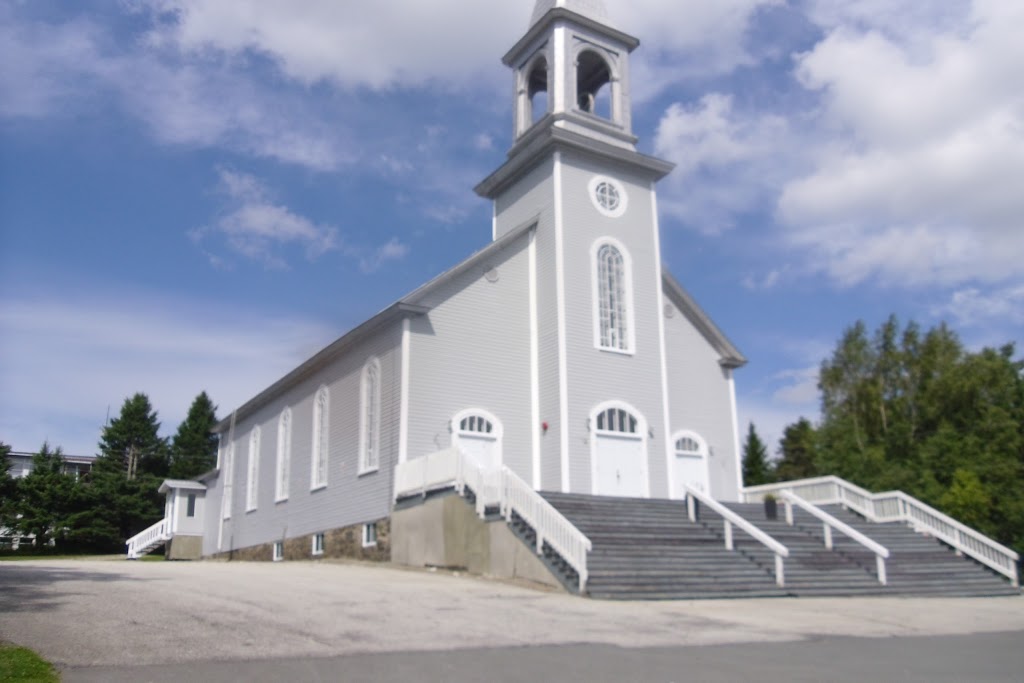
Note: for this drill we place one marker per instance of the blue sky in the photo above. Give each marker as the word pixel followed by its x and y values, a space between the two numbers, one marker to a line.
pixel 199 194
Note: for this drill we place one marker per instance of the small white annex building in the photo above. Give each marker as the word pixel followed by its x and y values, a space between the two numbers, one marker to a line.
pixel 563 350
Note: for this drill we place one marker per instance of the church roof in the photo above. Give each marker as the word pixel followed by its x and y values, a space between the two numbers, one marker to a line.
pixel 592 9
pixel 730 355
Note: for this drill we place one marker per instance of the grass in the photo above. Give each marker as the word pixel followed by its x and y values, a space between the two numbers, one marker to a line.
pixel 21 665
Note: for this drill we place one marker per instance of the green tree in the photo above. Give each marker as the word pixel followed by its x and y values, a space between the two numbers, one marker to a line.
pixel 797 449
pixel 913 410
pixel 132 463
pixel 131 442
pixel 194 448
pixel 8 488
pixel 756 468
pixel 44 497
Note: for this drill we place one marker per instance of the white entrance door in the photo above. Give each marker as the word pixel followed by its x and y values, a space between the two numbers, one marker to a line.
pixel 619 453
pixel 478 435
pixel 691 464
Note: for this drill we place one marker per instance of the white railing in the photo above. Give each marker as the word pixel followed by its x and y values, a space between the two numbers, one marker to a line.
pixel 896 506
pixel 829 523
pixel 431 472
pixel 451 468
pixel 144 541
pixel 731 518
pixel 548 524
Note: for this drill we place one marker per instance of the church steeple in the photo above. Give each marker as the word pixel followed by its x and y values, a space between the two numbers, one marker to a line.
pixel 572 71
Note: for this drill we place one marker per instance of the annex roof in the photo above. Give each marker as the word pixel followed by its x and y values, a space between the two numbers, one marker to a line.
pixel 187 485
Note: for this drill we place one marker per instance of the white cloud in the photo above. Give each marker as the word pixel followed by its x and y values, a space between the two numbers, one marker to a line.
pixel 371 260
pixel 921 185
pixel 727 161
pixel 800 388
pixel 65 358
pixel 257 228
pixel 972 307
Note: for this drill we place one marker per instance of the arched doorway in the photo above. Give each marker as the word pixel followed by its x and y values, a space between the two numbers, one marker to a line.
pixel 689 463
pixel 618 451
pixel 477 433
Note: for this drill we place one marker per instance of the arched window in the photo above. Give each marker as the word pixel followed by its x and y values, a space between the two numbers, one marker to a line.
pixel 687 445
pixel 229 473
pixel 616 420
pixel 284 454
pixel 253 483
pixel 321 411
pixel 593 79
pixel 369 428
pixel 613 317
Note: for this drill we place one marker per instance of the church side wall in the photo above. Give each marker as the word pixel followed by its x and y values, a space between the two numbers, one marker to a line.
pixel 533 196
pixel 472 350
pixel 699 399
pixel 595 375
pixel 348 498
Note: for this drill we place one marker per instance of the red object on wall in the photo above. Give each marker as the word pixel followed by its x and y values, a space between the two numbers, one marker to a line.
pixel 544 426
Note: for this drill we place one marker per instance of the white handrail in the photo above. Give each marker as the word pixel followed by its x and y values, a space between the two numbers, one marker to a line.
pixel 451 468
pixel 829 522
pixel 897 506
pixel 159 532
pixel 732 518
pixel 548 523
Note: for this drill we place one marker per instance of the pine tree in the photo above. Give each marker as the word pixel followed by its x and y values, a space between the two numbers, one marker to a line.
pixel 127 474
pixel 756 469
pixel 131 443
pixel 194 448
pixel 798 452
pixel 44 497
pixel 8 488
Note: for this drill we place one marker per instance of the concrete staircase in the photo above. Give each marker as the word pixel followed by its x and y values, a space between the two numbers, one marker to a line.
pixel 648 549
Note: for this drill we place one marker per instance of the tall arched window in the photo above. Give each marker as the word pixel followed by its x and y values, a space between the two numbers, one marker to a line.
pixel 321 410
pixel 284 454
pixel 229 474
pixel 253 483
pixel 369 427
pixel 613 317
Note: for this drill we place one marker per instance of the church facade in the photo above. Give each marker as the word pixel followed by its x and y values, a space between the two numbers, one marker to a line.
pixel 562 350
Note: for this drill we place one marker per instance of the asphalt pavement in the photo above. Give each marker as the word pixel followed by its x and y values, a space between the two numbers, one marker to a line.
pixel 329 621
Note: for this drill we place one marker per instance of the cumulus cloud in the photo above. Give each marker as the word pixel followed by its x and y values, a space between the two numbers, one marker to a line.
pixel 728 161
pixel 921 184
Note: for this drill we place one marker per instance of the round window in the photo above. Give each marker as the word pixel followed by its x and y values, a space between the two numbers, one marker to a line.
pixel 608 196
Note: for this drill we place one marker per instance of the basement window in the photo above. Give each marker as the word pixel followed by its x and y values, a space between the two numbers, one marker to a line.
pixel 370 535
pixel 318 544
pixel 278 551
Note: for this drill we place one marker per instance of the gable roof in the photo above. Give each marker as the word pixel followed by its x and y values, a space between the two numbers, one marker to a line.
pixel 408 306
pixel 730 355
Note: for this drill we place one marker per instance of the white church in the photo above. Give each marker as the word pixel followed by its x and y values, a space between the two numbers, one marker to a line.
pixel 561 359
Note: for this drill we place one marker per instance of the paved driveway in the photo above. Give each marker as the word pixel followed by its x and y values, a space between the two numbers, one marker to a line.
pixel 90 614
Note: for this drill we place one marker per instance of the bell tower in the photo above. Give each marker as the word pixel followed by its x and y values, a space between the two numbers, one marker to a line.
pixel 572 70
pixel 574 181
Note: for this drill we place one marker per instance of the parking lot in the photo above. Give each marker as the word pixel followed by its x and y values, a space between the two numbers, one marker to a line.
pixel 84 615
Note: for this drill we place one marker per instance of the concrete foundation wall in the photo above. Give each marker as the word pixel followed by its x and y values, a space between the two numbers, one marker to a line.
pixel 445 531
pixel 185 548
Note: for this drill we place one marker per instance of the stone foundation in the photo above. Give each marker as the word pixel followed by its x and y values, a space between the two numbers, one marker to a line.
pixel 346 542
pixel 184 548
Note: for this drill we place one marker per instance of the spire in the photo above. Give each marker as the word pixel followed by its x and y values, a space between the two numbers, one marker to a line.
pixel 592 9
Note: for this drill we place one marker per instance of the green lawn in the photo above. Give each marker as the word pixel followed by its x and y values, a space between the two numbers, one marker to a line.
pixel 21 665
